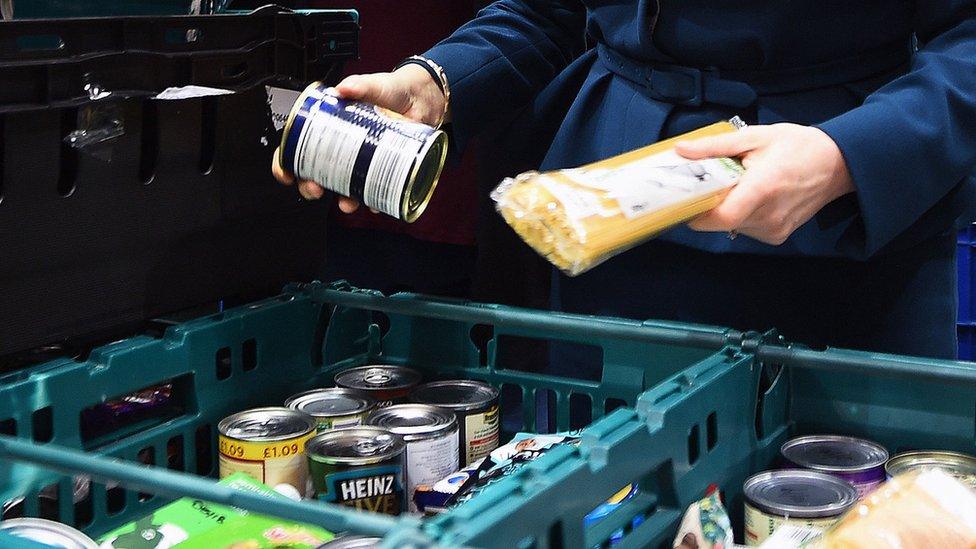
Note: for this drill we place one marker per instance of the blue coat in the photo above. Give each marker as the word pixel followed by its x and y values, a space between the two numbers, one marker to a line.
pixel 892 82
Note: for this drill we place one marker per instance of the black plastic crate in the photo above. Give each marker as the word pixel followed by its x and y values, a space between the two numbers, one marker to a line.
pixel 177 211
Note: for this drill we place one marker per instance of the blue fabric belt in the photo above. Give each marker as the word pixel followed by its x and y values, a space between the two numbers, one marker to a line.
pixel 690 86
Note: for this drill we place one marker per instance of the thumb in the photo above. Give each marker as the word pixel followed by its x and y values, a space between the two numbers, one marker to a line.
pixel 378 89
pixel 728 144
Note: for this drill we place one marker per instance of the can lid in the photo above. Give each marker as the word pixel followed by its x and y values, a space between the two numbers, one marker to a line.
pixel 959 465
pixel 47 532
pixel 458 394
pixel 331 402
pixel 799 493
pixel 835 454
pixel 379 376
pixel 414 421
pixel 352 542
pixel 267 424
pixel 355 446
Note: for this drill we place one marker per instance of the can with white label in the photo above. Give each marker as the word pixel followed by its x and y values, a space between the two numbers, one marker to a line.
pixel 793 496
pixel 476 406
pixel 362 151
pixel 333 408
pixel 268 444
pixel 431 435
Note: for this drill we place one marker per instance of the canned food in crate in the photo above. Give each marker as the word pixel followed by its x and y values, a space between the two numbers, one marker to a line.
pixel 333 408
pixel 858 461
pixel 431 435
pixel 476 406
pixel 793 496
pixel 387 384
pixel 352 542
pixel 47 532
pixel 956 464
pixel 268 444
pixel 358 150
pixel 359 467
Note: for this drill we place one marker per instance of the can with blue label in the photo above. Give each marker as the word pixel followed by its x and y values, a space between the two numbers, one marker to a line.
pixel 361 151
pixel 359 467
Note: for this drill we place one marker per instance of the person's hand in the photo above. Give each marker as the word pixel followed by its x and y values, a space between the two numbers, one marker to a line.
pixel 792 171
pixel 410 91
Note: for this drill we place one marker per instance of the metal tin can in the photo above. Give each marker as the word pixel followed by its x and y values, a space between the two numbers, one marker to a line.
pixel 431 434
pixel 858 461
pixel 387 384
pixel 476 406
pixel 358 150
pixel 47 532
pixel 352 542
pixel 359 467
pixel 268 444
pixel 333 408
pixel 958 465
pixel 793 496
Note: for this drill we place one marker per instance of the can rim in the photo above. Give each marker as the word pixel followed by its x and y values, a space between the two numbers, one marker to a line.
pixel 811 511
pixel 396 449
pixel 896 464
pixel 68 532
pixel 419 432
pixel 367 402
pixel 414 374
pixel 437 138
pixel 289 122
pixel 460 406
pixel 876 463
pixel 310 424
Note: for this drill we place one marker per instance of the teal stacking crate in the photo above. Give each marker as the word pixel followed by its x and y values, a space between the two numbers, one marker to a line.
pixel 259 354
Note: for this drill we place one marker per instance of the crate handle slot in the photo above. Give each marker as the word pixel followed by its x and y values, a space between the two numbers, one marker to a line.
pixel 178 485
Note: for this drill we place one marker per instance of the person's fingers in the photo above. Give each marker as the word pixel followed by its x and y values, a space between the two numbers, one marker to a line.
pixel 372 88
pixel 281 175
pixel 348 205
pixel 731 215
pixel 310 190
pixel 727 144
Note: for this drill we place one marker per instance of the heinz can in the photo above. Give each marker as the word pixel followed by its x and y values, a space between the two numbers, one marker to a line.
pixel 333 408
pixel 431 435
pixel 476 406
pixel 387 384
pixel 47 532
pixel 958 465
pixel 361 151
pixel 268 444
pixel 360 467
pixel 858 461
pixel 794 496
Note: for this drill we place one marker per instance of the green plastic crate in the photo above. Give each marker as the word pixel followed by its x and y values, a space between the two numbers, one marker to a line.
pixel 259 354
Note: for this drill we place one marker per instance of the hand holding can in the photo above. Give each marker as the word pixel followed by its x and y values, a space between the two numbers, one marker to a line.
pixel 409 92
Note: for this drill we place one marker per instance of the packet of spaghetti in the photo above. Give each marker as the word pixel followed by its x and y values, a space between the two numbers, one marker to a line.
pixel 578 218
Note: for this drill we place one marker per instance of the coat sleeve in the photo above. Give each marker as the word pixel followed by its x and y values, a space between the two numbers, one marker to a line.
pixel 914 139
pixel 500 60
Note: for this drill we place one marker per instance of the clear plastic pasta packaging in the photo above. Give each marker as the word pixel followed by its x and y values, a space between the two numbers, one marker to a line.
pixel 578 218
pixel 918 510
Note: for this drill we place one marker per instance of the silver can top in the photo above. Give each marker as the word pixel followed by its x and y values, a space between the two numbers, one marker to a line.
pixel 355 446
pixel 414 421
pixel 956 464
pixel 352 542
pixel 267 424
pixel 378 376
pixel 799 493
pixel 48 532
pixel 460 395
pixel 332 402
pixel 834 454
